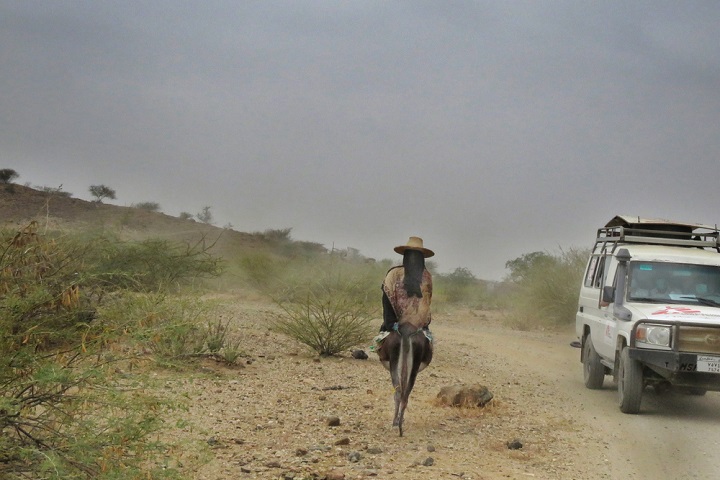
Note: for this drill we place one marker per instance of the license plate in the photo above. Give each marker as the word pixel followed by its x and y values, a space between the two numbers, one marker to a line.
pixel 707 363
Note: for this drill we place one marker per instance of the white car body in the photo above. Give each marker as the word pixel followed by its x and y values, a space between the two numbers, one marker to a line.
pixel 649 308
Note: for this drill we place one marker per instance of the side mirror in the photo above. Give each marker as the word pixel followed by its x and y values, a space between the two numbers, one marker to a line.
pixel 608 295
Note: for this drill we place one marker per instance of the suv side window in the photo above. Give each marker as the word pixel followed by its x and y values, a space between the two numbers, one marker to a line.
pixel 600 273
pixel 595 271
pixel 590 274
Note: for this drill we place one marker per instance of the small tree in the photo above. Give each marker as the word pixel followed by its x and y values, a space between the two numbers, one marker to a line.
pixel 102 191
pixel 186 215
pixel 527 263
pixel 462 276
pixel 459 286
pixel 149 206
pixel 548 288
pixel 205 216
pixel 7 175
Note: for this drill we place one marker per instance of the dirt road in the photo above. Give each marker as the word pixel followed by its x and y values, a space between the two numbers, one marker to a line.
pixel 675 436
pixel 269 419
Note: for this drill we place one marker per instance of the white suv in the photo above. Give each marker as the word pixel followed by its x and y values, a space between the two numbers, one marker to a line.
pixel 649 308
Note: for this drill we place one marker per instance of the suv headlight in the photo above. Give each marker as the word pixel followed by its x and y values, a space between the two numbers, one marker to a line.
pixel 653 336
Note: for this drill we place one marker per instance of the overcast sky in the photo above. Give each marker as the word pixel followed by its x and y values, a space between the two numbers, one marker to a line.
pixel 490 129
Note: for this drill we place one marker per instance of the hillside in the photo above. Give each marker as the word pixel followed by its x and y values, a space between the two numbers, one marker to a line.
pixel 19 205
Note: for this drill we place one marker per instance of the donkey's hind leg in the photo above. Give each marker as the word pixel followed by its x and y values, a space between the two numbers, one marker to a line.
pixel 400 406
pixel 391 356
pixel 398 413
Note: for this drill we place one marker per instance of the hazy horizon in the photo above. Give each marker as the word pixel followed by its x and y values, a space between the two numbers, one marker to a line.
pixel 489 129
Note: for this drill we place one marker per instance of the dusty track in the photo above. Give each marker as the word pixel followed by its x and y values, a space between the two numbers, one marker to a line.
pixel 269 419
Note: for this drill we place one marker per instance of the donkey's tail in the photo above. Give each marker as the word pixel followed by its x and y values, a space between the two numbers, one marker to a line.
pixel 405 367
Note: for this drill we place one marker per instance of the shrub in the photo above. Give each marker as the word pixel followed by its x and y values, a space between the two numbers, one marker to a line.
pixel 458 287
pixel 277 235
pixel 231 351
pixel 461 287
pixel 40 286
pixel 330 311
pixel 216 335
pixel 174 329
pixel 155 264
pixel 54 191
pixel 64 410
pixel 149 206
pixel 547 291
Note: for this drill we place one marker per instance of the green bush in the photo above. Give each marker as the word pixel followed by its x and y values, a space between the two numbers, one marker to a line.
pixel 66 410
pixel 173 328
pixel 64 413
pixel 330 310
pixel 458 287
pixel 547 288
pixel 40 282
pixel 154 264
pixel 149 206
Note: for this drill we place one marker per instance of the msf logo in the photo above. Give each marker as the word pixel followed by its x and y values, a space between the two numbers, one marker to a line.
pixel 669 310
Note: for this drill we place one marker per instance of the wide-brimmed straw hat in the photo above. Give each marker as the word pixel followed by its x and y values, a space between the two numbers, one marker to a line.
pixel 415 243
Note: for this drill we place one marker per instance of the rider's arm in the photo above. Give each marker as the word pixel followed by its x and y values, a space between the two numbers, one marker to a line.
pixel 389 317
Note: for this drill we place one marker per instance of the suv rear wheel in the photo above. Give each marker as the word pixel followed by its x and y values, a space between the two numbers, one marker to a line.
pixel 593 370
pixel 630 383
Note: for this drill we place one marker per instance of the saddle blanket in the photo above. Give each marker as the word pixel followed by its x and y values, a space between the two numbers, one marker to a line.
pixel 378 340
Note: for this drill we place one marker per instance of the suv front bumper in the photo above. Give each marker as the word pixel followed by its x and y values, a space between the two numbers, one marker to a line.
pixel 678 368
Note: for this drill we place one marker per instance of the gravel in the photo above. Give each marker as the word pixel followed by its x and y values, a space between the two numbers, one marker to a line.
pixel 289 414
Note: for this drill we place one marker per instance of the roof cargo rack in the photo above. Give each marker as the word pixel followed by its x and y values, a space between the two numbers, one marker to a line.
pixel 650 231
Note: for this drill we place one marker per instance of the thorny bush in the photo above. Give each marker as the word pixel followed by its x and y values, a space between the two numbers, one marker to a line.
pixel 65 410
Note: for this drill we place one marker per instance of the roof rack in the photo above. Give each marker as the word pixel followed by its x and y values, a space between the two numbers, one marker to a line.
pixel 626 229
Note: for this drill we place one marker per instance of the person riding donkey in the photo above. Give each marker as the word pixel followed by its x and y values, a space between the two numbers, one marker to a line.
pixel 404 344
pixel 407 288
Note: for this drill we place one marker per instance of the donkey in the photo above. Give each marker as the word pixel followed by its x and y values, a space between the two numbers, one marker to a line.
pixel 405 352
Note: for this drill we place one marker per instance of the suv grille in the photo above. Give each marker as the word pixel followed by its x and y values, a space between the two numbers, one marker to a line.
pixel 699 339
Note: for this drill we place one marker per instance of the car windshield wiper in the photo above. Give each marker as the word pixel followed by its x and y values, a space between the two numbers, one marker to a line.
pixel 708 301
pixel 646 299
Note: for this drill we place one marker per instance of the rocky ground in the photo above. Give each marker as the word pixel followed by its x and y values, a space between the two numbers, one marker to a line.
pixel 273 417
pixel 269 418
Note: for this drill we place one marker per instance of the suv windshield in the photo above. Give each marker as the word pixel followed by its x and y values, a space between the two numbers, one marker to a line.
pixel 660 282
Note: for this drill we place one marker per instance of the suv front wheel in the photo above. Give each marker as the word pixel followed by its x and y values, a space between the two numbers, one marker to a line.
pixel 630 383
